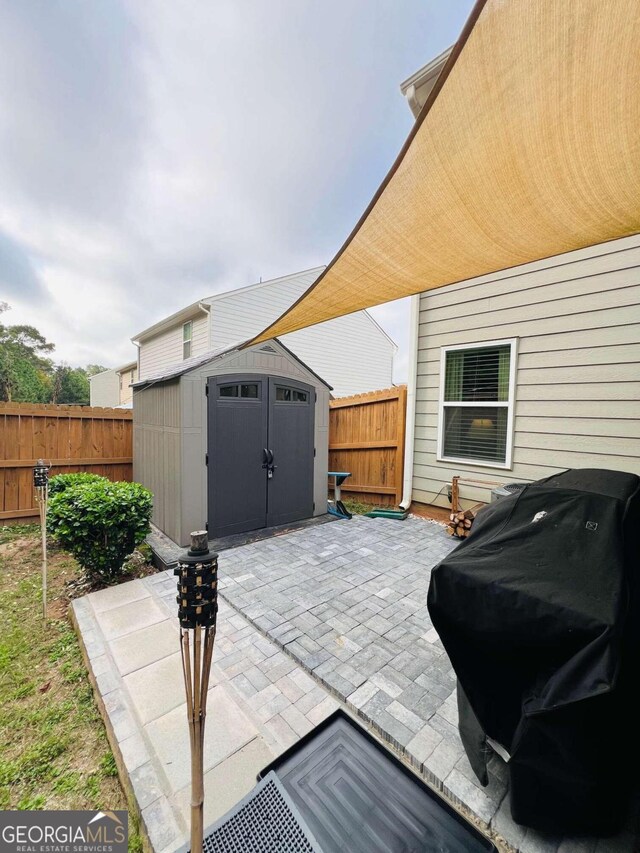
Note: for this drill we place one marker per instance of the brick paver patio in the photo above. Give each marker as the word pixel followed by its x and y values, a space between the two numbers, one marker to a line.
pixel 348 601
pixel 329 614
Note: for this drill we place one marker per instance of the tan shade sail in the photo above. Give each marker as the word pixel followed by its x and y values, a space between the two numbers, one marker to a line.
pixel 528 146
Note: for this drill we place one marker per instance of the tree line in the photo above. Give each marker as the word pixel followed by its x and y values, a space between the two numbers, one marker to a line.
pixel 29 375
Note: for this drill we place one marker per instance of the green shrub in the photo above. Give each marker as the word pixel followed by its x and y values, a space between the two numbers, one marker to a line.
pixel 65 481
pixel 100 523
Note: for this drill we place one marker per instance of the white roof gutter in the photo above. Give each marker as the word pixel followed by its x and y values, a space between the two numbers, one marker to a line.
pixel 416 88
pixel 173 320
pixel 412 381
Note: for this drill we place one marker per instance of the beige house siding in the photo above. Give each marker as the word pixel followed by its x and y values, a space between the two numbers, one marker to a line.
pixel 127 377
pixel 577 321
pixel 164 350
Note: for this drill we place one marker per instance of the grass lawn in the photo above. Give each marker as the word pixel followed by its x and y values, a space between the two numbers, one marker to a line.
pixel 54 752
pixel 358 507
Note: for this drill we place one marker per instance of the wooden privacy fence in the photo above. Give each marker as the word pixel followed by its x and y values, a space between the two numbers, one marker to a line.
pixel 71 438
pixel 366 437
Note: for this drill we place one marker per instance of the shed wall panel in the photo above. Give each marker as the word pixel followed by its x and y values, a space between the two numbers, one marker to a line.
pixel 157 451
pixel 577 318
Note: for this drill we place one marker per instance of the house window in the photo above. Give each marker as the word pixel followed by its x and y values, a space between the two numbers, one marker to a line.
pixel 187 331
pixel 477 389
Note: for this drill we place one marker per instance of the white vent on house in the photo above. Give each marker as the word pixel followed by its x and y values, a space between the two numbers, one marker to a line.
pixel 267 348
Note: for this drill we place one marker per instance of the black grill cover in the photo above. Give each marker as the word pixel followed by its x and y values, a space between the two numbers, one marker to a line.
pixel 538 612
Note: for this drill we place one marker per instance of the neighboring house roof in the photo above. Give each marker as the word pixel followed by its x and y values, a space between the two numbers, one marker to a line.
pixel 373 320
pixel 197 361
pixel 417 88
pixel 128 366
pixel 315 271
pixel 102 373
pixel 173 319
pixel 203 305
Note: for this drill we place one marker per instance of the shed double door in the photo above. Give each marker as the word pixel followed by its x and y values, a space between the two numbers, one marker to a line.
pixel 260 452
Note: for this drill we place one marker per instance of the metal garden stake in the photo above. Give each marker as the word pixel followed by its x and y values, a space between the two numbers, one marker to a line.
pixel 197 610
pixel 41 486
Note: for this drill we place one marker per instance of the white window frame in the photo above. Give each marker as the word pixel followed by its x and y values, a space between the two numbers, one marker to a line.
pixel 509 404
pixel 188 340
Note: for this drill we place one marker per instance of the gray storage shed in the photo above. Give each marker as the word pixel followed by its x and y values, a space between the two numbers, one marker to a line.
pixel 235 439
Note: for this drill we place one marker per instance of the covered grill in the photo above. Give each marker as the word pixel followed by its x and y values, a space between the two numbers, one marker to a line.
pixel 538 611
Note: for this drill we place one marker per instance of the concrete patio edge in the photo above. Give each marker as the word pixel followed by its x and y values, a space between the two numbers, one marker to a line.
pixel 247 730
pixel 76 613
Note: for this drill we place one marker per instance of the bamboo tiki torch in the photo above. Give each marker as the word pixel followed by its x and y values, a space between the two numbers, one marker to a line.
pixel 41 486
pixel 197 610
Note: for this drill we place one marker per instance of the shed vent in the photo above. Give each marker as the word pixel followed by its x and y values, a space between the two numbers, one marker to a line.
pixel 267 348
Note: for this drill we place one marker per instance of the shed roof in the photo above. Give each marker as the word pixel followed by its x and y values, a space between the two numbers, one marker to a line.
pixel 196 361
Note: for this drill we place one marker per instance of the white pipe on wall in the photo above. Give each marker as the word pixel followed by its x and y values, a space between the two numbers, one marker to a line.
pixel 409 435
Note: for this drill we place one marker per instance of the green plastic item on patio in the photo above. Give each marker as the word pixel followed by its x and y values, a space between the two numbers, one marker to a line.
pixel 397 514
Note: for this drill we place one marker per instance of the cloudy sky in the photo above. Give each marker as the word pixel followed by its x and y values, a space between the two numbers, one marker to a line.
pixel 153 152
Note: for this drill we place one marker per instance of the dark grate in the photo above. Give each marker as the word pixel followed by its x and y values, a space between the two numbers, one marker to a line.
pixel 265 821
pixel 356 797
pixel 514 487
